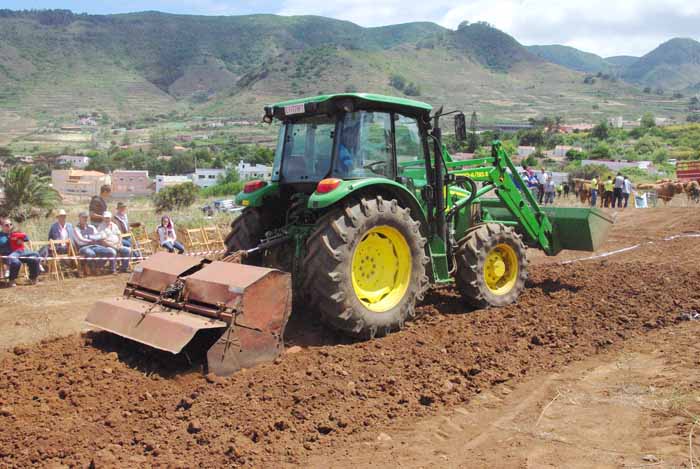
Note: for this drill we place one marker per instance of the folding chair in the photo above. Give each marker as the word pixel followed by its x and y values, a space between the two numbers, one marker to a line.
pixel 51 263
pixel 196 240
pixel 145 245
pixel 64 257
pixel 213 238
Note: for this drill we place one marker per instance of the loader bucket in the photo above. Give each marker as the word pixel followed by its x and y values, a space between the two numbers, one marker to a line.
pixel 577 229
pixel 170 298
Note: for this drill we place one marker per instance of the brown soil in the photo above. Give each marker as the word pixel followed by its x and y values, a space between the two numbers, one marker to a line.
pixel 77 400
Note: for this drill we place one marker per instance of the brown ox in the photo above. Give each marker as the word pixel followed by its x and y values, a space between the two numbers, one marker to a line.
pixel 582 189
pixel 692 191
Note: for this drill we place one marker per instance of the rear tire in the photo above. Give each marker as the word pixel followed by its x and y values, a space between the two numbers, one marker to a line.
pixel 246 232
pixel 365 268
pixel 491 266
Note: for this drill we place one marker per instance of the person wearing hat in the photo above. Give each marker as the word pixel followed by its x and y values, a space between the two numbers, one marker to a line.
pixel 60 230
pixel 83 238
pixel 108 235
pixel 122 221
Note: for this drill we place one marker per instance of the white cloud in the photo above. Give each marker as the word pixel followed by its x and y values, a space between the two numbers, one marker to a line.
pixel 605 27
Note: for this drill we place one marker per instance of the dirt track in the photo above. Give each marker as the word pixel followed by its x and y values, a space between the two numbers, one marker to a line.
pixel 73 400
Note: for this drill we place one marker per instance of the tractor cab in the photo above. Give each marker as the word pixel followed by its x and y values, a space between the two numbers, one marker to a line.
pixel 349 136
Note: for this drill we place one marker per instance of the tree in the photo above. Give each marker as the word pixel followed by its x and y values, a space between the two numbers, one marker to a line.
pixel 601 151
pixel 647 121
pixel 26 192
pixel 412 89
pixel 397 81
pixel 601 131
pixel 473 138
pixel 173 197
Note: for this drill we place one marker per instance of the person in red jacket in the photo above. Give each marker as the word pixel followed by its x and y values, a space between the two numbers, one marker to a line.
pixel 14 253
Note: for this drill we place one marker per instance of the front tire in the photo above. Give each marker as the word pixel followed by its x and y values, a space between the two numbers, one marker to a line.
pixel 365 268
pixel 491 266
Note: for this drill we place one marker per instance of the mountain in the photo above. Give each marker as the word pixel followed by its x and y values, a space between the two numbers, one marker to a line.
pixel 572 58
pixel 675 64
pixel 55 64
pixel 621 61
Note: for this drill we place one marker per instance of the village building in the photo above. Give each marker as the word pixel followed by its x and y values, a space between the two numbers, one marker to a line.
pixel 74 161
pixel 253 171
pixel 618 165
pixel 206 177
pixel 130 183
pixel 560 151
pixel 78 182
pixel 163 181
pixel 525 151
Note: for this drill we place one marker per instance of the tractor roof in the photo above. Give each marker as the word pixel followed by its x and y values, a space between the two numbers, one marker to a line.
pixel 325 103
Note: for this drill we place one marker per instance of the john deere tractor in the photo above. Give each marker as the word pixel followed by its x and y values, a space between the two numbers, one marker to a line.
pixel 365 211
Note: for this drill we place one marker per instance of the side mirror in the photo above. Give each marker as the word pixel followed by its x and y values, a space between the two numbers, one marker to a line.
pixel 460 127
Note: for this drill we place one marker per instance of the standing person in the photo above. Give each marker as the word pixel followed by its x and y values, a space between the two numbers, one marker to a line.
pixel 108 235
pixel 541 181
pixel 627 190
pixel 618 187
pixel 608 191
pixel 594 190
pixel 549 190
pixel 83 238
pixel 560 190
pixel 14 253
pixel 567 189
pixel 168 237
pixel 98 204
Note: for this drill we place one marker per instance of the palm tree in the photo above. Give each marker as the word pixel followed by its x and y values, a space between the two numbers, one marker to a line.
pixel 26 194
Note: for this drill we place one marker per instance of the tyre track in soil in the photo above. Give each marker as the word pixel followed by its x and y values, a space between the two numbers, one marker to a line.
pixel 74 401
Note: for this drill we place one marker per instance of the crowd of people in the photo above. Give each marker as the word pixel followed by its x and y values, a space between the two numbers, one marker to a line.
pixel 97 239
pixel 616 192
pixel 543 187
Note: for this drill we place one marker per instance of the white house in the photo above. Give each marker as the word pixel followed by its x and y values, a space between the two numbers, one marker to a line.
pixel 206 177
pixel 78 182
pixel 618 165
pixel 74 161
pixel 560 151
pixel 525 151
pixel 163 181
pixel 253 171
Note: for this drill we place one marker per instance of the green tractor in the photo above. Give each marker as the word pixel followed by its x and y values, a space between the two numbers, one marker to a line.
pixel 367 210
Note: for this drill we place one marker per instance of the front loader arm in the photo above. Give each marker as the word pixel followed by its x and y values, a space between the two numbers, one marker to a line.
pixel 501 176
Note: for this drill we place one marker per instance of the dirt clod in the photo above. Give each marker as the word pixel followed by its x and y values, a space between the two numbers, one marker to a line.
pixel 194 426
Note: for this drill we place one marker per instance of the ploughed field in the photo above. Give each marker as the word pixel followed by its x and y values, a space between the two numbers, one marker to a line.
pixel 89 399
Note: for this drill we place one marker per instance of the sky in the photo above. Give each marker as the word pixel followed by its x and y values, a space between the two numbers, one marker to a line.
pixel 604 27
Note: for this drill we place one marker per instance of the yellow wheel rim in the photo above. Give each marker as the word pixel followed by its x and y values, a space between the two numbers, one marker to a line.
pixel 381 268
pixel 501 269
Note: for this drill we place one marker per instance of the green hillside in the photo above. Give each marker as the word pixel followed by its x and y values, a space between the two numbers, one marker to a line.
pixel 572 58
pixel 55 64
pixel 674 64
pixel 622 61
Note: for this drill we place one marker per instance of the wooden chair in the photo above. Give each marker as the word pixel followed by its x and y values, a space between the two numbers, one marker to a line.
pixel 51 263
pixel 64 257
pixel 145 245
pixel 196 240
pixel 213 238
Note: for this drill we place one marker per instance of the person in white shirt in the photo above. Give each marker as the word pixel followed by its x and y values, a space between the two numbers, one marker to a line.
pixel 627 190
pixel 83 239
pixel 168 236
pixel 108 235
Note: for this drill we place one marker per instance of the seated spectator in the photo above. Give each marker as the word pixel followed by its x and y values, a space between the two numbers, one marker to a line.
pixel 83 238
pixel 59 231
pixel 121 219
pixel 108 235
pixel 14 253
pixel 168 237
